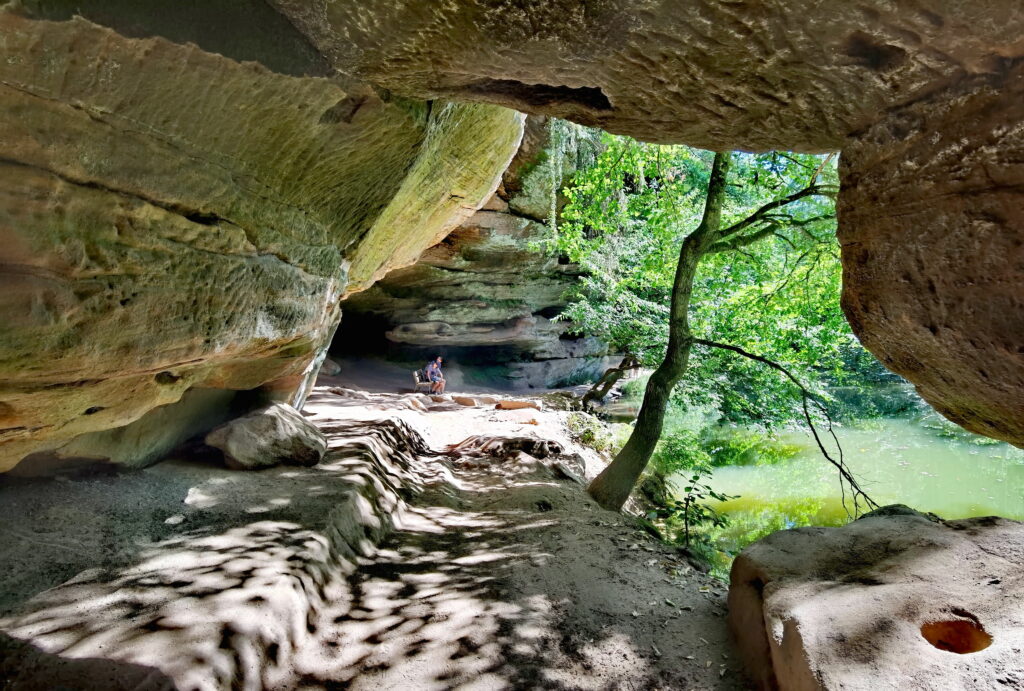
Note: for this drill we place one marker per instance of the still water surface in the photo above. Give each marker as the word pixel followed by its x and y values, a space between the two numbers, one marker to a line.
pixel 898 460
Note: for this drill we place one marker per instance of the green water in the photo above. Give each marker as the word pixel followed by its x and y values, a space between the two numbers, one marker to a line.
pixel 897 460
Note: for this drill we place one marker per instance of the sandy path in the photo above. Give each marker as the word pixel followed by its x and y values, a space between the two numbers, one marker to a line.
pixel 518 580
pixel 498 576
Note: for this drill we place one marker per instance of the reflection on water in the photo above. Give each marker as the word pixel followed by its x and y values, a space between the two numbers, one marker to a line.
pixel 897 460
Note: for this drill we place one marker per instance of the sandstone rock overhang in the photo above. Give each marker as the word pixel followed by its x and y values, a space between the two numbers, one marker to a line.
pixel 176 222
pixel 175 218
pixel 798 74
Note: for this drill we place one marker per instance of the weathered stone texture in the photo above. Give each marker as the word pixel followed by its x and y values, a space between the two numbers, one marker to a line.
pixel 750 75
pixel 466 149
pixel 273 435
pixel 848 608
pixel 173 219
pixel 487 294
pixel 932 233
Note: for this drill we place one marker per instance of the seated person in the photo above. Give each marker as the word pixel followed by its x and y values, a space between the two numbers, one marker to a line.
pixel 435 375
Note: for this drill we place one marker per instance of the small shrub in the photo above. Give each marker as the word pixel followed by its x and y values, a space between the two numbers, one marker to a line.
pixel 633 390
pixel 588 430
pixel 681 451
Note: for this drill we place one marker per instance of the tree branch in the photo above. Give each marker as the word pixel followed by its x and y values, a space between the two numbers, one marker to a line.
pixel 762 213
pixel 857 493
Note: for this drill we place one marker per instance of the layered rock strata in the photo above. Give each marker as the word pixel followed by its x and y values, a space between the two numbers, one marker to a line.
pixel 895 601
pixel 173 221
pixel 488 294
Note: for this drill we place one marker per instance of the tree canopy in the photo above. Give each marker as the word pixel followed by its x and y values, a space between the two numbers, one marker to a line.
pixel 770 286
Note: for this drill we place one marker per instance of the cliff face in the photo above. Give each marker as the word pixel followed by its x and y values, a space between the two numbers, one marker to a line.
pixel 155 244
pixel 487 294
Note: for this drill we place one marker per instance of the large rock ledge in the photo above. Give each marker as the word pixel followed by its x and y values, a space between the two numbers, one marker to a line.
pixel 887 602
pixel 208 577
pixel 172 220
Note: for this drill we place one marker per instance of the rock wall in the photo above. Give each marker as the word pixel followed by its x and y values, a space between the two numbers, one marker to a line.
pixel 487 294
pixel 932 237
pixel 174 220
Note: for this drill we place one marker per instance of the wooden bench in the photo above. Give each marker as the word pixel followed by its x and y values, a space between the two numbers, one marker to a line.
pixel 418 382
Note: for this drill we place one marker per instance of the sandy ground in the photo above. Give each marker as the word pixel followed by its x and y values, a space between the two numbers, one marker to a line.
pixel 500 576
pixel 518 580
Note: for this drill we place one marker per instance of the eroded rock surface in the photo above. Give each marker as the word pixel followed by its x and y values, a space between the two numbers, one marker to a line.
pixel 487 294
pixel 932 236
pixel 784 75
pixel 895 601
pixel 155 243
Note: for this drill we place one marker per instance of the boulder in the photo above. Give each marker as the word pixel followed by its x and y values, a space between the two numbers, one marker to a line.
pixel 414 403
pixel 894 601
pixel 270 436
pixel 330 368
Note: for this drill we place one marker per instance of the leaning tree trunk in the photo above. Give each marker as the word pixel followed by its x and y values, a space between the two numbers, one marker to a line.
pixel 608 380
pixel 612 487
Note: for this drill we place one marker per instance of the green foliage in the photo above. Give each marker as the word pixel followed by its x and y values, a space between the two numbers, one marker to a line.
pixel 681 451
pixel 692 507
pixel 633 390
pixel 738 446
pixel 625 220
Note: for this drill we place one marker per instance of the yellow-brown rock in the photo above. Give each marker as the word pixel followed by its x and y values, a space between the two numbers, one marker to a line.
pixel 172 220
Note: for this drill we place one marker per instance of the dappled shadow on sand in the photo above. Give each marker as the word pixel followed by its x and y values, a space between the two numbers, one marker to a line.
pixel 499 577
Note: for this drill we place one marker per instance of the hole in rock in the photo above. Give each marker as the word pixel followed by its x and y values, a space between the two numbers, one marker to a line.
pixel 203 218
pixel 538 95
pixel 342 111
pixel 956 636
pixel 92 410
pixel 549 312
pixel 867 52
pixel 166 378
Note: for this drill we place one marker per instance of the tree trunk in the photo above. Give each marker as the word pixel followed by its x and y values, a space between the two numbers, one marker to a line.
pixel 612 487
pixel 608 380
